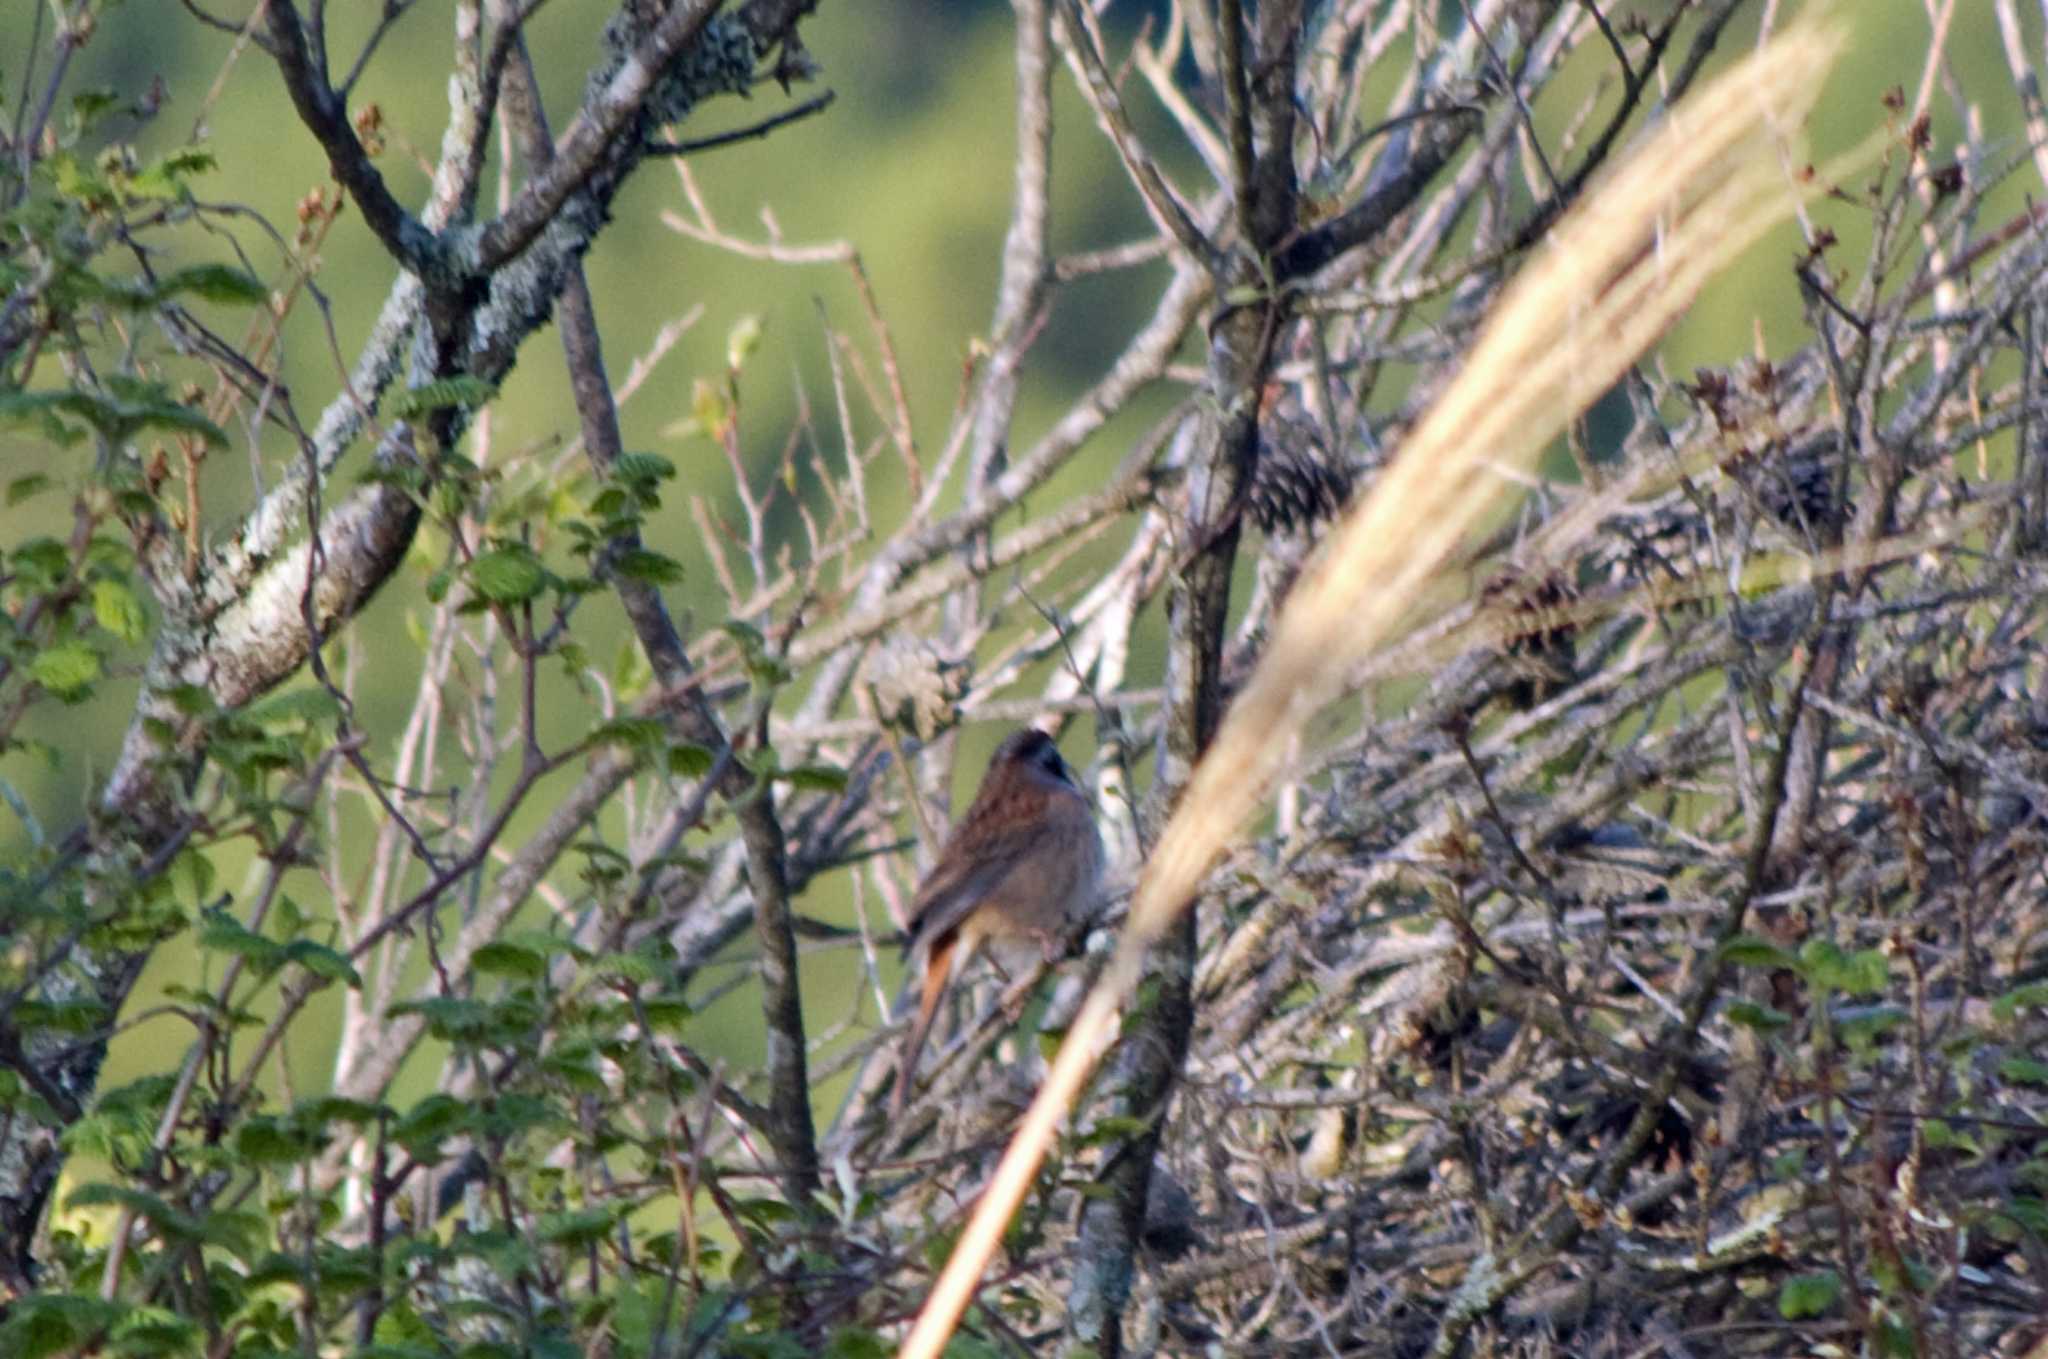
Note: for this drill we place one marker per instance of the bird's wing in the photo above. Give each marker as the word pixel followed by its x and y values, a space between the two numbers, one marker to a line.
pixel 961 881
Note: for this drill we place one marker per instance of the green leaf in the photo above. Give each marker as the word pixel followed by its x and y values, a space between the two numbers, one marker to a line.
pixel 22 488
pixel 667 1014
pixel 423 1128
pixel 747 635
pixel 690 761
pixel 1862 973
pixel 1751 1015
pixel 194 874
pixel 742 340
pixel 45 558
pixel 2032 995
pixel 642 564
pixel 2029 1213
pixel 157 1211
pixel 190 160
pixel 53 1322
pixel 502 959
pixel 145 1329
pixel 193 700
pixel 166 178
pixel 67 669
pixel 312 704
pixel 87 106
pixel 636 733
pixel 399 1326
pixel 643 467
pixel 508 575
pixel 444 394
pixel 1749 950
pixel 131 406
pixel 215 283
pixel 629 967
pixel 814 778
pixel 324 1109
pixel 1808 1295
pixel 115 608
pixel 1941 1133
pixel 322 961
pixel 241 1233
pixel 265 1140
pixel 585 1227
pixel 857 1343
pixel 1865 1029
pixel 2024 1070
pixel 222 933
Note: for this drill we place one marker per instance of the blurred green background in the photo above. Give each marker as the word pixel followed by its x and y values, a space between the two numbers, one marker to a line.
pixel 911 166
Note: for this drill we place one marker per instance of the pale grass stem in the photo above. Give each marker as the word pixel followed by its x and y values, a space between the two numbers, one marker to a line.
pixel 1621 267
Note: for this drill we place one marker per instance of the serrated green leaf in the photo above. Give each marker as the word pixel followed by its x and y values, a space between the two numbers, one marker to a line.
pixel 643 467
pixel 166 178
pixel 194 874
pixel 1941 1133
pixel 1808 1295
pixel 2024 1070
pixel 191 160
pixel 422 1128
pixel 1864 1029
pixel 2032 995
pixel 508 575
pixel 313 705
pixel 42 557
pixel 642 564
pixel 322 961
pixel 639 733
pixel 667 1014
pixel 632 967
pixel 145 1329
pixel 501 959
pixel 66 669
pixel 265 1140
pixel 23 488
pixel 747 635
pixel 1751 1015
pixel 2029 1212
pixel 222 933
pixel 581 1228
pixel 442 394
pixel 158 1211
pixel 115 608
pixel 690 761
pixel 242 1233
pixel 216 283
pixel 1749 950
pixel 814 778
pixel 1861 973
pixel 87 105
pixel 192 700
pixel 53 1322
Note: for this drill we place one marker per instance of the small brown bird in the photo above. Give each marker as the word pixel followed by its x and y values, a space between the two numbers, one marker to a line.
pixel 1022 865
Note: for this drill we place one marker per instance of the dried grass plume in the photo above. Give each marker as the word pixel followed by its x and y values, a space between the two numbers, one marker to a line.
pixel 1617 271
